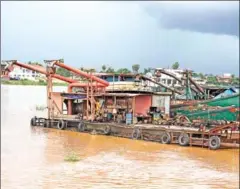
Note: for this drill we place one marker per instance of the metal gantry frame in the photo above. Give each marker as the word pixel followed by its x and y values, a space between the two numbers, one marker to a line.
pixel 187 77
pixel 93 86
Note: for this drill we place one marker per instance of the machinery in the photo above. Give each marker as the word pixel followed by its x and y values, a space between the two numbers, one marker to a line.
pixel 91 88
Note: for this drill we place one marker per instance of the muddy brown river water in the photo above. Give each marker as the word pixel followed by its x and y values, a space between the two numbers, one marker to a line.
pixel 33 158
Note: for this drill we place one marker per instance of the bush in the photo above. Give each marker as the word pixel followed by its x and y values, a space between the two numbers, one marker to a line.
pixel 72 157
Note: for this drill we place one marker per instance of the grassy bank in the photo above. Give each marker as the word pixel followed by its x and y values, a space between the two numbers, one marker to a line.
pixel 29 82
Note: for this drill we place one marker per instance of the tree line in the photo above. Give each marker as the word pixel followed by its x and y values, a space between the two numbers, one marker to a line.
pixel 210 78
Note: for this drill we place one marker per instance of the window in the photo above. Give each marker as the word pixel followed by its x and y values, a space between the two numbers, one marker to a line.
pixel 174 82
pixel 164 81
pixel 169 81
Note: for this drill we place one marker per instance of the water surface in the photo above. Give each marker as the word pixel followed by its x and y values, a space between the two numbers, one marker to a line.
pixel 33 158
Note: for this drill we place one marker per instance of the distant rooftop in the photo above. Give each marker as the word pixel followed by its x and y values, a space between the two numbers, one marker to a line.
pixel 116 74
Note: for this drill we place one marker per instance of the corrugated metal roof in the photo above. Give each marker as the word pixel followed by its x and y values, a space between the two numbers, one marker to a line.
pixel 122 94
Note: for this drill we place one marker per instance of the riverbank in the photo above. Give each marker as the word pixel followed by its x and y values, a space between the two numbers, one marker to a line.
pixel 29 82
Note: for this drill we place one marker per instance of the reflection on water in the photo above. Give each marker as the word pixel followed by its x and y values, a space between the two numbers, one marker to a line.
pixel 34 157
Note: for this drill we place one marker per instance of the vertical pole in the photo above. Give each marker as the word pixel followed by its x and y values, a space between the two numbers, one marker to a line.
pixel 49 90
pixel 87 99
pixel 114 105
pixel 92 113
pixel 133 105
pixel 188 89
pixel 48 96
pixel 113 81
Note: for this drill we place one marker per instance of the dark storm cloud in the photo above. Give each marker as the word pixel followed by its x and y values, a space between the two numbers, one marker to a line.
pixel 206 17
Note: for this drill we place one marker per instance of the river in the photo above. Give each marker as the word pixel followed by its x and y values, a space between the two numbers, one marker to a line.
pixel 33 158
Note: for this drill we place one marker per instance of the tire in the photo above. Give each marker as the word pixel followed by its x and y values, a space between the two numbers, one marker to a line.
pixel 214 142
pixel 183 139
pixel 136 133
pixel 33 121
pixel 107 130
pixel 46 124
pixel 61 125
pixel 166 138
pixel 81 127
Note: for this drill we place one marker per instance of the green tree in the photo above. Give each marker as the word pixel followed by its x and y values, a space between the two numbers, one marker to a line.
pixel 34 63
pixel 92 70
pixel 146 70
pixel 123 70
pixel 63 72
pixel 201 75
pixel 175 66
pixel 236 81
pixel 110 70
pixel 212 80
pixel 135 68
pixel 82 69
pixel 104 67
pixel 194 74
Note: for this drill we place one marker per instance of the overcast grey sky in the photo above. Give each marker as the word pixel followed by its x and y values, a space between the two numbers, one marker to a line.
pixel 203 36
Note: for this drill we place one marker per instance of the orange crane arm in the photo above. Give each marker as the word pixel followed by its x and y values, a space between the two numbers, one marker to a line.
pixel 81 73
pixel 42 71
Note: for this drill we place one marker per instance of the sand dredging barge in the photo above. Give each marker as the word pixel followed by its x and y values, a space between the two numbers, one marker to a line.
pixel 143 115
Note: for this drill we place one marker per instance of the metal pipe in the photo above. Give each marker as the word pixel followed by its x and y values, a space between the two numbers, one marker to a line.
pixel 62 78
pixel 196 85
pixel 163 85
pixel 170 74
pixel 81 73
pixel 80 85
pixel 179 80
pixel 42 71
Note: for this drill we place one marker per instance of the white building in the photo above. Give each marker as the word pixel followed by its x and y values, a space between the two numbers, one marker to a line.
pixel 170 81
pixel 23 73
pixel 200 81
pixel 227 75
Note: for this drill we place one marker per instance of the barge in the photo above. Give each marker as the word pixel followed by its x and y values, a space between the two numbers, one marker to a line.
pixel 218 137
pixel 137 115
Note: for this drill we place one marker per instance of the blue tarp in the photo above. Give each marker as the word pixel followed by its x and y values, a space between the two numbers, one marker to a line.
pixel 227 92
pixel 74 96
